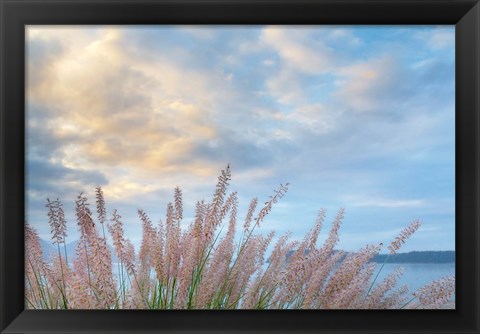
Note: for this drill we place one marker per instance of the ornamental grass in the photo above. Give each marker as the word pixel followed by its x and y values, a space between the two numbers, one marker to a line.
pixel 212 264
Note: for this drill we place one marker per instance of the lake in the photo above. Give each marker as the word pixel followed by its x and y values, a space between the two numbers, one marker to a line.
pixel 417 275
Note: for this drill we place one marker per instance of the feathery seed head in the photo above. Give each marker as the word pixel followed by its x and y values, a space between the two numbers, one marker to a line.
pixel 403 236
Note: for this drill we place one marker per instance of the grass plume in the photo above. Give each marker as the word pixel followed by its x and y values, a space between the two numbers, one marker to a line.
pixel 208 266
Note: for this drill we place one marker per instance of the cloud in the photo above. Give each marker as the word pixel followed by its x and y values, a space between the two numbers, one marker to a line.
pixel 94 107
pixel 241 153
pixel 286 87
pixel 329 109
pixel 99 99
pixel 40 54
pixel 317 118
pixel 344 36
pixel 365 87
pixel 291 44
pixel 300 56
pixel 43 174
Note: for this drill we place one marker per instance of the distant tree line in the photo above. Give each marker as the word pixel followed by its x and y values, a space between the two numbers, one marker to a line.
pixel 417 257
pixel 410 257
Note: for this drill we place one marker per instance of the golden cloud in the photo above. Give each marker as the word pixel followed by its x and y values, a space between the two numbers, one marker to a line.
pixel 142 115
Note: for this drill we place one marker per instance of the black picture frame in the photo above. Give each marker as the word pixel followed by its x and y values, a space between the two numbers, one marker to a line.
pixel 16 14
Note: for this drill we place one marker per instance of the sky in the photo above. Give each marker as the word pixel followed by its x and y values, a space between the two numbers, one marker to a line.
pixel 359 117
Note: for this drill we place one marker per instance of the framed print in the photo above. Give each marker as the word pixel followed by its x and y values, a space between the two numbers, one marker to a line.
pixel 240 166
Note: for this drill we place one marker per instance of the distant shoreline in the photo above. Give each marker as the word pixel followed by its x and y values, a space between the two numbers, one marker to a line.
pixel 409 257
pixel 438 257
pixel 417 257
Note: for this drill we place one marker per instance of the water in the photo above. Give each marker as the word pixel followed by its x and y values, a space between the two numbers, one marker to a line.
pixel 417 275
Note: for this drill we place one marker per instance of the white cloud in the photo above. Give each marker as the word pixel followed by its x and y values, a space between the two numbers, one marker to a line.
pixel 268 62
pixel 286 86
pixel 362 86
pixel 299 55
pixel 297 50
pixel 344 35
pixel 317 118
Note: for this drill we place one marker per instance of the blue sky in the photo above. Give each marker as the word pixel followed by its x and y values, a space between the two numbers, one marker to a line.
pixel 350 116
